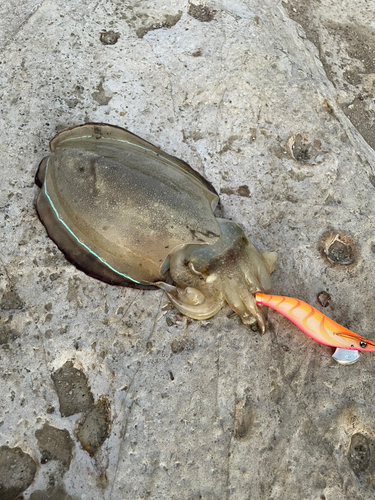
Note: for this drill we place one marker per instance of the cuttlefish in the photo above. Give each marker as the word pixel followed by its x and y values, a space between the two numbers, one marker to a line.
pixel 125 212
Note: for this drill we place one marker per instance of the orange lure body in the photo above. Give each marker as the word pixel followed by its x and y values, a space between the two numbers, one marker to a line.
pixel 314 323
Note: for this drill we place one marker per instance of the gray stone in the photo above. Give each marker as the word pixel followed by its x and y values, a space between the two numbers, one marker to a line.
pixel 52 493
pixel 93 427
pixel 10 300
pixel 55 444
pixel 71 387
pixel 7 334
pixel 17 471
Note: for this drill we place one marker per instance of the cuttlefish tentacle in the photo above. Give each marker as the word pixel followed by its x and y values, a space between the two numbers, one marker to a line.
pixel 191 302
pixel 242 301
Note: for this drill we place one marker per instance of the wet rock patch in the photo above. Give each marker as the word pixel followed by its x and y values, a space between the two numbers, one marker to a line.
pixel 100 96
pixel 72 390
pixel 93 428
pixel 10 301
pixel 359 455
pixel 55 444
pixel 7 335
pixel 52 493
pixel 17 471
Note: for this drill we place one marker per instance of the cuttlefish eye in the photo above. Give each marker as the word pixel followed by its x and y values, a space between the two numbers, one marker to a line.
pixel 362 344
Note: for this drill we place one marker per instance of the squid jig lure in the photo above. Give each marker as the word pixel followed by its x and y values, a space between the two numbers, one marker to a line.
pixel 319 327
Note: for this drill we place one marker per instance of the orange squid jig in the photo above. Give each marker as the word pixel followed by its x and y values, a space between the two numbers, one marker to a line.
pixel 315 324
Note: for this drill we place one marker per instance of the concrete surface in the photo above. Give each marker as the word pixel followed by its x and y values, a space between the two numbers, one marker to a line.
pixel 274 103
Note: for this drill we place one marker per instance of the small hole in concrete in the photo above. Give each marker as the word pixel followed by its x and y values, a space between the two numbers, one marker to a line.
pixel 109 37
pixel 304 151
pixel 340 253
pixel 338 249
pixel 324 298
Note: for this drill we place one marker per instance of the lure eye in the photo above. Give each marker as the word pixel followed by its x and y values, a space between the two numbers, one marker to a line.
pixel 362 344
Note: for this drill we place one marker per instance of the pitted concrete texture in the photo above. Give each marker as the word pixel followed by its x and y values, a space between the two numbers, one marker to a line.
pixel 273 103
pixel 345 39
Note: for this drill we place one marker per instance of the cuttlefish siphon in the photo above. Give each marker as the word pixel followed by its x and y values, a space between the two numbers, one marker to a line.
pixel 125 212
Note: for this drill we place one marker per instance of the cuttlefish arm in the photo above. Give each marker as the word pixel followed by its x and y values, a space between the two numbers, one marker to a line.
pixel 318 326
pixel 191 302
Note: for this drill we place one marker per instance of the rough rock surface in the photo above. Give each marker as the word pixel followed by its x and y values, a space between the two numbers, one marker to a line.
pixel 72 390
pixel 93 428
pixel 274 103
pixel 17 471
pixel 55 444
